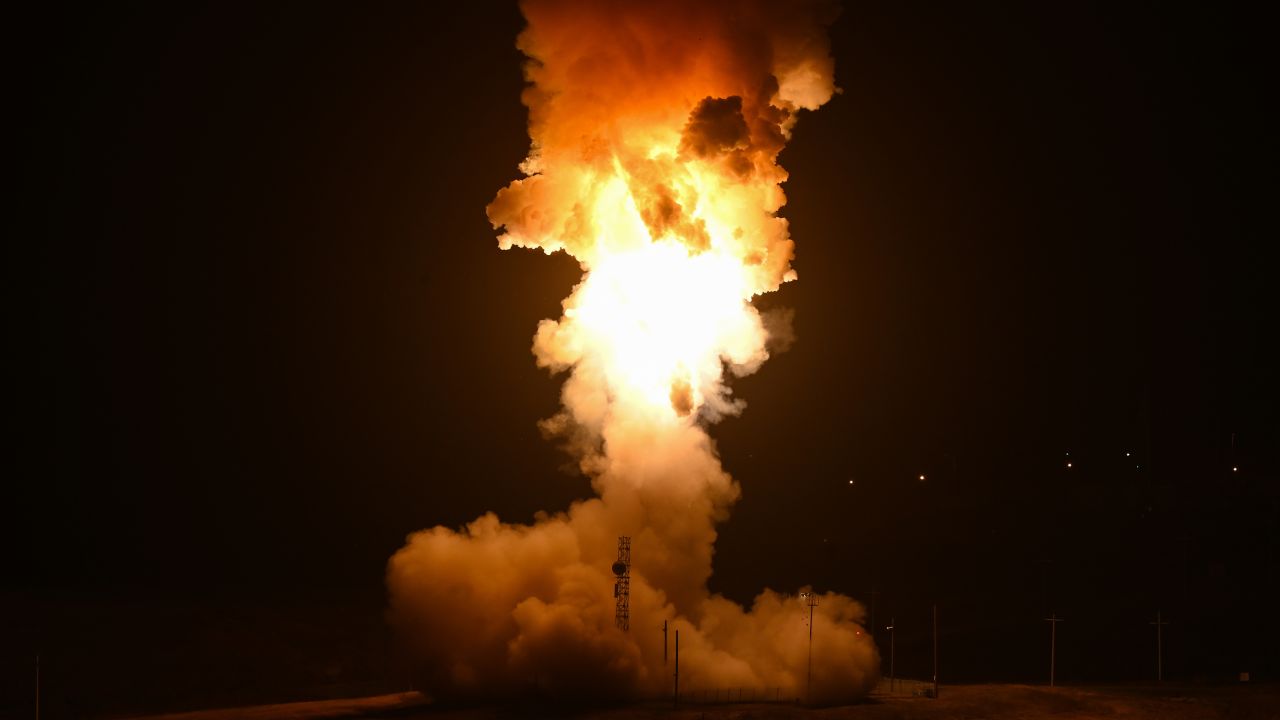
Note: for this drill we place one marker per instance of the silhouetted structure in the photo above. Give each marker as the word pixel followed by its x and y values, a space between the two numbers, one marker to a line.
pixel 622 584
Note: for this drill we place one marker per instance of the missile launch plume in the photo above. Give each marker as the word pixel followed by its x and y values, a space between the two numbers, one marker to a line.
pixel 655 132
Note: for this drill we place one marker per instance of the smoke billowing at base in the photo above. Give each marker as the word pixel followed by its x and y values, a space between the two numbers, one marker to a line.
pixel 655 132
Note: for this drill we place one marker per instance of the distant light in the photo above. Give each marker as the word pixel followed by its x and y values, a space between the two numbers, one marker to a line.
pixel 1235 469
pixel 1068 464
pixel 1127 454
pixel 850 482
pixel 921 478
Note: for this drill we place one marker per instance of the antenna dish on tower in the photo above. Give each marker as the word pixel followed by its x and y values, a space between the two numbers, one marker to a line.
pixel 622 586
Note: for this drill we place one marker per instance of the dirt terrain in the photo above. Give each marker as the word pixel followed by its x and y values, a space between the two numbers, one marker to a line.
pixel 957 702
pixel 964 702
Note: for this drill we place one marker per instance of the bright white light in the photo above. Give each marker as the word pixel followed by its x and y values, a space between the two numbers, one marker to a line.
pixel 922 478
pixel 1068 464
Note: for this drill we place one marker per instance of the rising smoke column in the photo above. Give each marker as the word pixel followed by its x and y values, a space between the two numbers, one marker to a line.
pixel 656 128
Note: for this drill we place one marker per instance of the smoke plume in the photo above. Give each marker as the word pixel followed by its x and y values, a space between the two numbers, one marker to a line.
pixel 655 131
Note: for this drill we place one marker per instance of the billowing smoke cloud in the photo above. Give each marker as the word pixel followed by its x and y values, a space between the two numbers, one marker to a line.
pixel 656 128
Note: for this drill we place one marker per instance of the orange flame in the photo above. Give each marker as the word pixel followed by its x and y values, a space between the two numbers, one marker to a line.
pixel 656 128
pixel 654 164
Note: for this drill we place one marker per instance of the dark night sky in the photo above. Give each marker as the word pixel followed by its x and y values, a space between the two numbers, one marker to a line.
pixel 269 331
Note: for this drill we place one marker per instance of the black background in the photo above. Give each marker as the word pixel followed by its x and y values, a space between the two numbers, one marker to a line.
pixel 265 332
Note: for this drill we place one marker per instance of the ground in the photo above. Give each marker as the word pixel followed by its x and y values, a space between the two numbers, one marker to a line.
pixel 958 702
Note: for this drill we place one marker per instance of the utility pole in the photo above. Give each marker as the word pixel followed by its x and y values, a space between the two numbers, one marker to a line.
pixel 664 643
pixel 676 701
pixel 892 624
pixel 37 687
pixel 810 600
pixel 1160 623
pixel 1053 645
pixel 935 651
